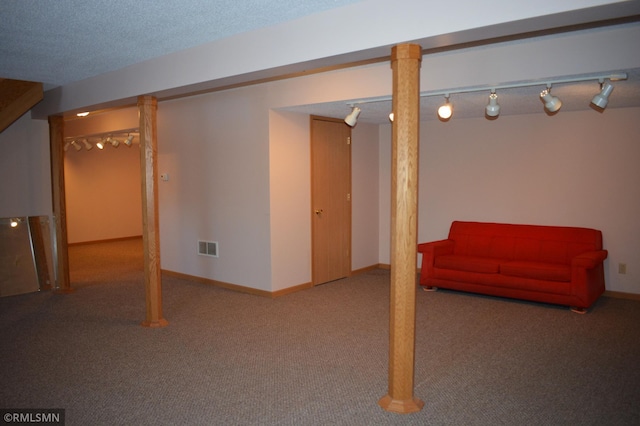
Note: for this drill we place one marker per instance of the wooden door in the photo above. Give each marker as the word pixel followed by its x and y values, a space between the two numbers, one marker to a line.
pixel 330 199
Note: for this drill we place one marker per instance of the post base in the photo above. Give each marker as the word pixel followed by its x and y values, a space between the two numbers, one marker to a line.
pixel 155 324
pixel 403 406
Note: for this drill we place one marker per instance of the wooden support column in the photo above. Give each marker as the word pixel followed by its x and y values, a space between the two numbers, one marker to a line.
pixel 147 109
pixel 405 62
pixel 56 149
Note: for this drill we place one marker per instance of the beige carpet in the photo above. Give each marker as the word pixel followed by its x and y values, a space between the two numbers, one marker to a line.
pixel 316 357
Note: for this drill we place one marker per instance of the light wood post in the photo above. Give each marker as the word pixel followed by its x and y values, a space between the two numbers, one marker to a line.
pixel 405 62
pixel 56 148
pixel 147 109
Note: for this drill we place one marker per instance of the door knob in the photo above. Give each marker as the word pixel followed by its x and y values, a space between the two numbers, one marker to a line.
pixel 318 211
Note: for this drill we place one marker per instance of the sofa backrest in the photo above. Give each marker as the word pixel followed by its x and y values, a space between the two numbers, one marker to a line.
pixel 549 244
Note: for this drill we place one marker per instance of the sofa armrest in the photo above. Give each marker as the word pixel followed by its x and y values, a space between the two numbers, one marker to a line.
pixel 590 259
pixel 587 277
pixel 436 248
pixel 429 252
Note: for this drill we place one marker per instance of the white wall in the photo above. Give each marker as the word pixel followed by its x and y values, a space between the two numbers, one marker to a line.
pixel 225 153
pixel 216 150
pixel 290 170
pixel 103 193
pixel 103 189
pixel 25 169
pixel 572 169
pixel 364 201
pixel 240 175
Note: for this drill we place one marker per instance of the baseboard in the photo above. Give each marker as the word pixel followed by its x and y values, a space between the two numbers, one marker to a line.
pixel 621 295
pixel 290 290
pixel 367 269
pixel 236 287
pixel 109 240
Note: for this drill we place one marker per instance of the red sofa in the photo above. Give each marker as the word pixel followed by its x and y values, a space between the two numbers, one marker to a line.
pixel 550 264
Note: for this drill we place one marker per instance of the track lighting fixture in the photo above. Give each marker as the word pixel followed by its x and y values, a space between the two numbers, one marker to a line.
pixel 551 103
pixel 87 145
pixel 446 110
pixel 352 118
pixel 100 140
pixel 493 108
pixel 128 141
pixel 602 99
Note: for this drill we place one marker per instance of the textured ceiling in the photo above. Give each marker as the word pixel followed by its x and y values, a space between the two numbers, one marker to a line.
pixel 62 41
pixel 69 40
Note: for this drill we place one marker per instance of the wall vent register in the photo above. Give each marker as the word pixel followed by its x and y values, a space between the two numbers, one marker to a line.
pixel 208 248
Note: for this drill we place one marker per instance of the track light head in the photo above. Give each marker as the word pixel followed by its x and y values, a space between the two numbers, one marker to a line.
pixel 352 118
pixel 100 144
pixel 87 145
pixel 602 99
pixel 66 146
pixel 493 108
pixel 551 103
pixel 446 110
pixel 76 145
pixel 129 140
pixel 115 143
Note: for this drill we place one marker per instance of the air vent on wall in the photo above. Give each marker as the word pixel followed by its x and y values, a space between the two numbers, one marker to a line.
pixel 208 248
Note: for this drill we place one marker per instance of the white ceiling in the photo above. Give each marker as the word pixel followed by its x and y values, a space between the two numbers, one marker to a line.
pixel 66 41
pixel 63 41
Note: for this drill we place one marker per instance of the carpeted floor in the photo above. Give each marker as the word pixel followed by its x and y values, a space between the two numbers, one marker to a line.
pixel 315 357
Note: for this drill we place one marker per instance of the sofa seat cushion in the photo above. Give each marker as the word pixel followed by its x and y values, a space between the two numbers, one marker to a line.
pixel 484 265
pixel 537 270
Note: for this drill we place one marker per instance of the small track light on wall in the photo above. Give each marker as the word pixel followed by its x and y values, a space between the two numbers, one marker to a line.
pixel 446 110
pixel 100 144
pixel 352 118
pixel 87 145
pixel 128 141
pixel 602 99
pixel 551 103
pixel 76 145
pixel 493 108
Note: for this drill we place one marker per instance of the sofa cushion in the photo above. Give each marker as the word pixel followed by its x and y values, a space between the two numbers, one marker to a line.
pixel 536 270
pixel 484 265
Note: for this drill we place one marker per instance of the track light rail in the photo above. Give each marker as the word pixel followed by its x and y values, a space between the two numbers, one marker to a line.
pixel 489 87
pixel 103 135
